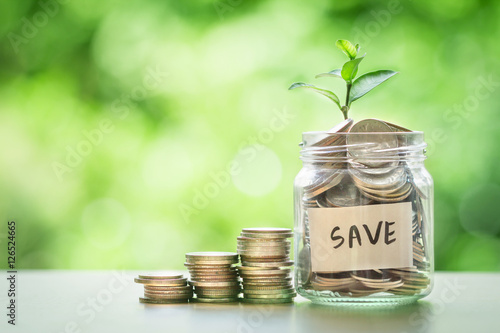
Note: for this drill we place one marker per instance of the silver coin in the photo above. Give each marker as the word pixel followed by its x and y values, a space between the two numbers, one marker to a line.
pixel 346 194
pixel 365 140
pixel 390 193
pixel 397 128
pixel 324 184
pixel 385 198
pixel 383 168
pixel 344 126
pixel 394 179
pixel 304 264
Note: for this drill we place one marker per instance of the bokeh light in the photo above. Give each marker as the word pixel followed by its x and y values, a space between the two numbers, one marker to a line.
pixel 184 90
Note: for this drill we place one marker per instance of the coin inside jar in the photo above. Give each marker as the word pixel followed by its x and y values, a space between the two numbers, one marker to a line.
pixel 366 139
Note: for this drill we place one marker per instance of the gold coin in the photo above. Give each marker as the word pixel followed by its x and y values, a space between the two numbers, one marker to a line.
pixel 208 266
pixel 214 270
pixel 217 296
pixel 247 286
pixel 161 301
pixel 160 276
pixel 220 293
pixel 255 256
pixel 169 282
pixel 267 300
pixel 266 236
pixel 268 264
pixel 289 290
pixel 264 273
pixel 219 279
pixel 273 296
pixel 167 296
pixel 211 256
pixel 216 300
pixel 259 259
pixel 213 273
pixel 213 277
pixel 207 263
pixel 253 240
pixel 250 268
pixel 262 242
pixel 211 287
pixel 264 248
pixel 267 230
pixel 167 288
pixel 168 292
pixel 214 284
pixel 266 280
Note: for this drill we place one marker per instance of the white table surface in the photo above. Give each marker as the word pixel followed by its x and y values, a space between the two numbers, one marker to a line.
pixel 107 301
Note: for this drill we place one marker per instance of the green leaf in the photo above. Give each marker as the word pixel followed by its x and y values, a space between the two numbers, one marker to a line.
pixel 367 82
pixel 350 69
pixel 347 48
pixel 329 94
pixel 357 48
pixel 334 73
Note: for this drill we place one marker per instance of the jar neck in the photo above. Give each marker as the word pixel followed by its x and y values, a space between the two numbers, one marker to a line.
pixel 362 148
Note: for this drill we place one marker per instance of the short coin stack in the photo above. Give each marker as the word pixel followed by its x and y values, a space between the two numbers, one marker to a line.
pixel 164 289
pixel 266 265
pixel 214 276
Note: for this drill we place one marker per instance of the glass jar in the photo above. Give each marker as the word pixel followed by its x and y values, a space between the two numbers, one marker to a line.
pixel 363 218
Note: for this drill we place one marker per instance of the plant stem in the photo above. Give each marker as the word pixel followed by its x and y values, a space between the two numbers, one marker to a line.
pixel 345 108
pixel 349 85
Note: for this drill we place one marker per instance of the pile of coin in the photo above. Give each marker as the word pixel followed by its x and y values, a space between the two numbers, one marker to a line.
pixel 164 289
pixel 265 265
pixel 364 168
pixel 214 276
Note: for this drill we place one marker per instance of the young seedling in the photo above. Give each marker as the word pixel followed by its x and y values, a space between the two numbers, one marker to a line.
pixel 355 88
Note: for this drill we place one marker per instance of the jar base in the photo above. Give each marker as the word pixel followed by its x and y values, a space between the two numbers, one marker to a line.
pixel 370 301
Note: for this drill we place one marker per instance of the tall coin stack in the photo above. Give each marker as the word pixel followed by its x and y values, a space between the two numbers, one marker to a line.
pixel 214 276
pixel 266 265
pixel 164 289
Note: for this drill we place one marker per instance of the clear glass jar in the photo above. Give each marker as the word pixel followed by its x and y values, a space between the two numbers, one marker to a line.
pixel 363 218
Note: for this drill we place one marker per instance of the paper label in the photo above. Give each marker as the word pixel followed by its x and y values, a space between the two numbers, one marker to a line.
pixel 361 237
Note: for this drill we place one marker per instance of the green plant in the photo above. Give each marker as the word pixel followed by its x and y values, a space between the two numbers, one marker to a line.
pixel 355 88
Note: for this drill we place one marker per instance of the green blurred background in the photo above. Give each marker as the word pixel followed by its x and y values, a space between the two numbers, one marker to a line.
pixel 121 120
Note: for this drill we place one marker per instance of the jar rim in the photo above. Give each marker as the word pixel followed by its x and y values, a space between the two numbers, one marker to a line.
pixel 412 133
pixel 323 146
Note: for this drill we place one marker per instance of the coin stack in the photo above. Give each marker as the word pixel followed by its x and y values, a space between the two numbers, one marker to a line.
pixel 369 171
pixel 214 276
pixel 164 289
pixel 266 265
